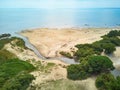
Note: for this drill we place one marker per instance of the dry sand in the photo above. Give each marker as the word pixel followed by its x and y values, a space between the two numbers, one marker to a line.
pixel 116 58
pixel 50 41
pixel 25 54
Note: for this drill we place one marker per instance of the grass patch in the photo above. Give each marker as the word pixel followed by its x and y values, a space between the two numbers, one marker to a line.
pixel 61 85
pixel 49 65
pixel 66 54
pixel 18 42
pixel 14 73
pixel 45 68
pixel 13 68
pixel 5 56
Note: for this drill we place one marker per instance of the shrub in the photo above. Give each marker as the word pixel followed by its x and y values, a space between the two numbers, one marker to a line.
pixel 19 42
pixel 12 68
pixel 108 47
pixel 66 54
pixel 3 42
pixel 113 40
pixel 113 33
pixel 93 66
pixel 107 82
pixel 6 55
pixel 84 50
pixel 99 64
pixel 19 82
pixel 97 47
pixel 4 35
pixel 76 72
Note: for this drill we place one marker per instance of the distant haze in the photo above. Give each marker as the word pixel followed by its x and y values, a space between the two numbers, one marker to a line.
pixel 59 4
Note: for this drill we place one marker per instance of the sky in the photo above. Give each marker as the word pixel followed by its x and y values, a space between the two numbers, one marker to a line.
pixel 59 3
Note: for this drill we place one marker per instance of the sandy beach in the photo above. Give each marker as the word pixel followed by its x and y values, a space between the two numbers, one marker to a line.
pixel 50 41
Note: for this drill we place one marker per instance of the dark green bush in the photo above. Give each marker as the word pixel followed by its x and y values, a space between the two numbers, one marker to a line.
pixel 97 47
pixel 14 73
pixel 5 56
pixel 107 82
pixel 3 42
pixel 66 54
pixel 99 64
pixel 11 69
pixel 113 33
pixel 18 41
pixel 4 35
pixel 19 82
pixel 76 72
pixel 84 50
pixel 109 48
pixel 93 66
pixel 106 45
pixel 113 40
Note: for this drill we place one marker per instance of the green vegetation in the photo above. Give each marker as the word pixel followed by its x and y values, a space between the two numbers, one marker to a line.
pixel 113 33
pixel 107 82
pixel 106 45
pixel 4 41
pixel 62 84
pixel 66 54
pixel 85 50
pixel 12 64
pixel 17 41
pixel 18 82
pixel 76 72
pixel 113 40
pixel 4 36
pixel 44 67
pixel 50 65
pixel 109 48
pixel 5 56
pixel 93 66
pixel 14 73
pixel 99 64
pixel 92 63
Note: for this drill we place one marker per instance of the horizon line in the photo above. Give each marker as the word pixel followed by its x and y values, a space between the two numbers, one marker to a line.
pixel 59 8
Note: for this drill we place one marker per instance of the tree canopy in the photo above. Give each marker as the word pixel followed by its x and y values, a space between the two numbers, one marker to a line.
pixel 107 82
pixel 93 66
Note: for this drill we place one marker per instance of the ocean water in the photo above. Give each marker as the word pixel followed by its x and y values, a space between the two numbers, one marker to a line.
pixel 15 20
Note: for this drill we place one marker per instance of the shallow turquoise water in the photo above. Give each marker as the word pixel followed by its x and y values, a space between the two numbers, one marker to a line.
pixel 14 20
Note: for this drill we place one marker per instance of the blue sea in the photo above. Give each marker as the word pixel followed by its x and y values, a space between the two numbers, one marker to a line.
pixel 15 20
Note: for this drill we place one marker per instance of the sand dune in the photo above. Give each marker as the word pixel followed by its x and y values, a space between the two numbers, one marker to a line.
pixel 50 41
